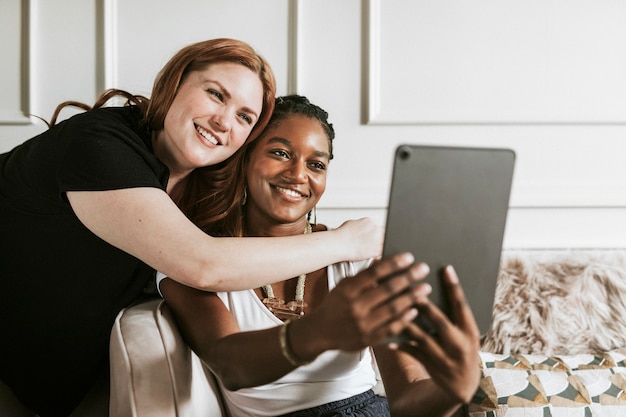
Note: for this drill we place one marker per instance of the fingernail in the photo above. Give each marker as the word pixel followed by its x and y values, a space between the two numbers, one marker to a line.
pixel 419 271
pixel 452 274
pixel 423 290
pixel 410 314
pixel 406 259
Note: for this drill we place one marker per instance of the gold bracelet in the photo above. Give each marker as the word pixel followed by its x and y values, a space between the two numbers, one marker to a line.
pixel 286 349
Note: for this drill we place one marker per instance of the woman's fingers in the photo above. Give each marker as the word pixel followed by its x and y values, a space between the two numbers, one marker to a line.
pixel 446 330
pixel 391 327
pixel 377 273
pixel 391 292
pixel 387 278
pixel 393 315
pixel 379 301
pixel 460 313
pixel 425 341
pixel 460 310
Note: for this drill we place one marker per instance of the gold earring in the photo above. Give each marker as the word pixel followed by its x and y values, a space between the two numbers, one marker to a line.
pixel 245 196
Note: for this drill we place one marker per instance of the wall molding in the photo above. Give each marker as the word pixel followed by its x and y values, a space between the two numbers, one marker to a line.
pixel 490 74
pixel 106 38
pixel 294 47
pixel 344 195
pixel 15 71
pixel 371 61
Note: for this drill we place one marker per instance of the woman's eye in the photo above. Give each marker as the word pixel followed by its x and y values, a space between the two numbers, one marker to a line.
pixel 246 118
pixel 280 153
pixel 217 94
pixel 318 166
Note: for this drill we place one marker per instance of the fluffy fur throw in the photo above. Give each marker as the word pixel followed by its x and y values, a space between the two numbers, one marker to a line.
pixel 562 303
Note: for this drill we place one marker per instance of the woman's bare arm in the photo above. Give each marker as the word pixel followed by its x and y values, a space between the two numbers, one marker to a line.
pixel 146 223
pixel 237 359
pixel 356 314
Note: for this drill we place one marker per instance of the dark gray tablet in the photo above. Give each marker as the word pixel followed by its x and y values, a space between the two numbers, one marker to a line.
pixel 448 205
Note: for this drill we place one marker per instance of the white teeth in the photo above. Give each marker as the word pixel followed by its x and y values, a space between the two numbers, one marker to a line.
pixel 291 193
pixel 207 135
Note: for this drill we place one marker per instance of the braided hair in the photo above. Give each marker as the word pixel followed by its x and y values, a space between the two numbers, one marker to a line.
pixel 286 106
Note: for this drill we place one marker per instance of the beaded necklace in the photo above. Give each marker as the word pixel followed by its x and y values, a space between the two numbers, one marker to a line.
pixel 293 309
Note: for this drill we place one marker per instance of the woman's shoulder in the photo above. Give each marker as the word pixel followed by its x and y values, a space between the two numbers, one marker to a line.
pixel 127 116
pixel 106 125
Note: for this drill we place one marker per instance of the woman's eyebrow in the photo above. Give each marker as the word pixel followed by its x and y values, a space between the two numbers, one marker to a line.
pixel 279 139
pixel 287 142
pixel 322 154
pixel 248 110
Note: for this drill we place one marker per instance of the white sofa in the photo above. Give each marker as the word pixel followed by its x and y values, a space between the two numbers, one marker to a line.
pixel 153 372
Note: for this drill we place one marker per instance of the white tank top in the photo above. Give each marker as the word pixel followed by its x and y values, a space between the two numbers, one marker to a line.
pixel 334 375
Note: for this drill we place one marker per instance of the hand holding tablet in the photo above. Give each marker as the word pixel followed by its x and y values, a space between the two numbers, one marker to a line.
pixel 448 206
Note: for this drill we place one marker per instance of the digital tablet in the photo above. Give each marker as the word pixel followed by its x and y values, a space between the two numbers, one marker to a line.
pixel 448 206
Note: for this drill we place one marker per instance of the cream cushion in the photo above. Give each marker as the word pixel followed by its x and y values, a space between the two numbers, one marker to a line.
pixel 153 371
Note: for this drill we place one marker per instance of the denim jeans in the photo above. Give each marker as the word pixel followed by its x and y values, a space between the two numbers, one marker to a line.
pixel 367 404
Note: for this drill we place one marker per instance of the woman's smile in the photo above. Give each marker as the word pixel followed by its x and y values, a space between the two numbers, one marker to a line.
pixel 290 193
pixel 208 136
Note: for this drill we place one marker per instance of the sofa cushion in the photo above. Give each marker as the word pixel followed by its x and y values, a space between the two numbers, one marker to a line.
pixel 557 342
pixel 153 372
pixel 559 303
pixel 535 385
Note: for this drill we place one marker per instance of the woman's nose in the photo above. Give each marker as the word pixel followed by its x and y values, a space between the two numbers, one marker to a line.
pixel 297 170
pixel 222 120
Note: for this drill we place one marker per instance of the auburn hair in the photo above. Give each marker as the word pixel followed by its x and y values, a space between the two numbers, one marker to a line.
pixel 210 192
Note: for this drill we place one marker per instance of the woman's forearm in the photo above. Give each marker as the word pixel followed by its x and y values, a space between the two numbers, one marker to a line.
pixel 247 359
pixel 243 263
pixel 238 359
pixel 145 223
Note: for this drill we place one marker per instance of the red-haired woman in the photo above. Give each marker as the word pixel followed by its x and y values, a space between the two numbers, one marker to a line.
pixel 91 207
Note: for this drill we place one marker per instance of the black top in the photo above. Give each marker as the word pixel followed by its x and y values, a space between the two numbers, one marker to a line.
pixel 62 286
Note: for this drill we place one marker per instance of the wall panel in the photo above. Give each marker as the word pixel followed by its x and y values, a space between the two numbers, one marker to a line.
pixel 569 184
pixel 143 47
pixel 57 61
pixel 545 78
pixel 490 61
pixel 14 72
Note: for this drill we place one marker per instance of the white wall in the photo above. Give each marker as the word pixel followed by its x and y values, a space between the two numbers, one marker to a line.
pixel 546 78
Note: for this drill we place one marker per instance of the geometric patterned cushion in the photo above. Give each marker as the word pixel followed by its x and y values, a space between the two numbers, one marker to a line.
pixel 558 386
pixel 559 331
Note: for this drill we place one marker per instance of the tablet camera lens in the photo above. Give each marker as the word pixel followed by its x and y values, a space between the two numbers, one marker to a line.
pixel 404 152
